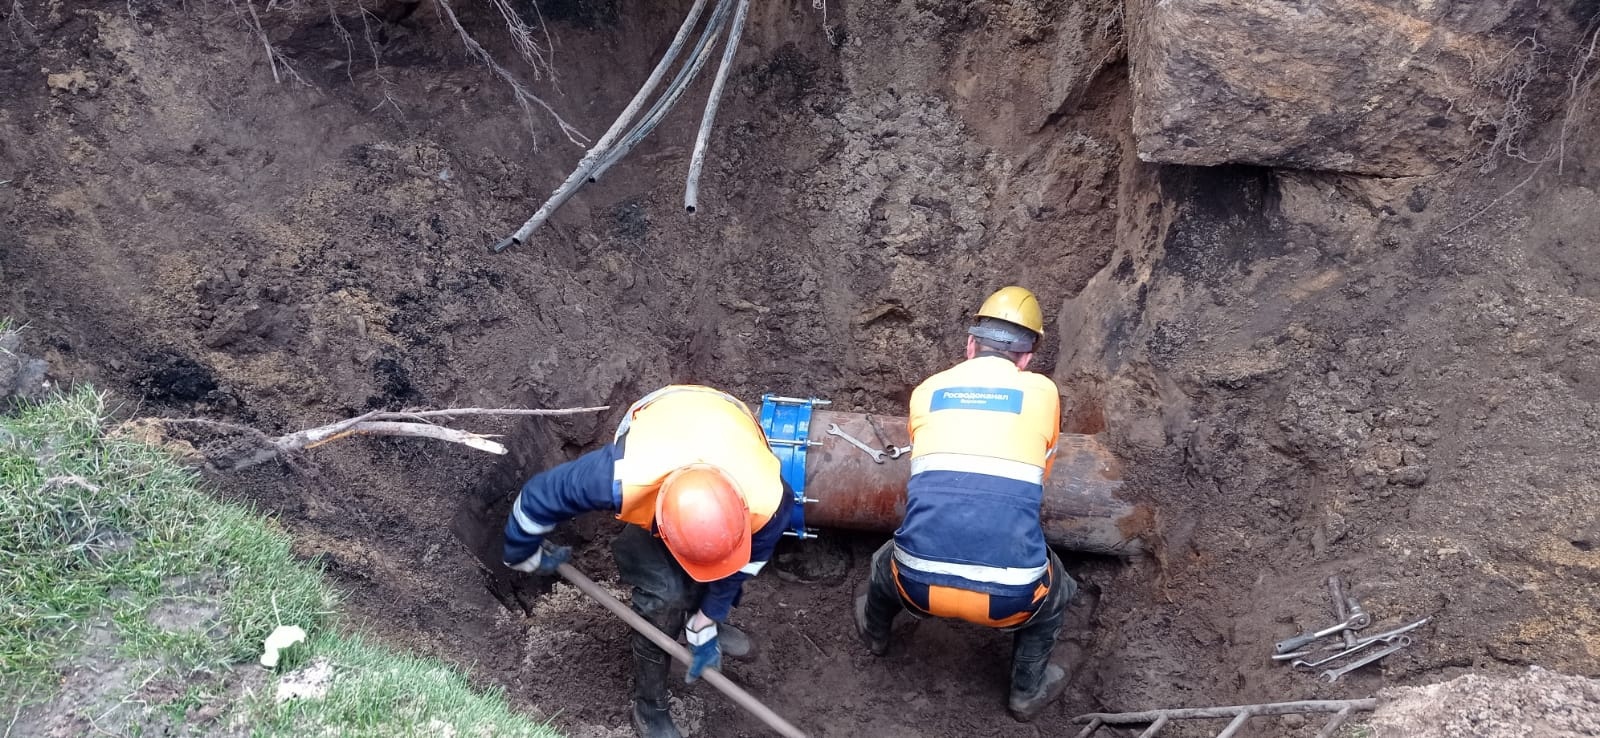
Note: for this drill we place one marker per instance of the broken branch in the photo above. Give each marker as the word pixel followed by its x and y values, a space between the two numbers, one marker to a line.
pixel 418 430
pixel 409 423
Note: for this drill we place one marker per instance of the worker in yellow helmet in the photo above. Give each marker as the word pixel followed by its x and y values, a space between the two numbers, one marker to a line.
pixel 691 471
pixel 970 547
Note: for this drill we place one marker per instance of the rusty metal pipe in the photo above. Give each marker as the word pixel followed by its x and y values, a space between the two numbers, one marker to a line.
pixel 1080 512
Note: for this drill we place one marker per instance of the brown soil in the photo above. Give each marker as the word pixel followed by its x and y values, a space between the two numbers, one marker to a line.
pixel 1305 373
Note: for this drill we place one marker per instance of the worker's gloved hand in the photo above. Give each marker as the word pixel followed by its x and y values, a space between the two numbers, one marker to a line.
pixel 707 652
pixel 544 561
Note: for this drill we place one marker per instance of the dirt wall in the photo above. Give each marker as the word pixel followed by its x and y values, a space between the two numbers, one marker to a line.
pixel 1306 373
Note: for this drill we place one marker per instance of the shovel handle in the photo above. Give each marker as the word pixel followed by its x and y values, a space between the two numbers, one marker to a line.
pixel 712 676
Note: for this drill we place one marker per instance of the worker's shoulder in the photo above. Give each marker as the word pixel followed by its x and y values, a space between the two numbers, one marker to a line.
pixel 940 378
pixel 1038 382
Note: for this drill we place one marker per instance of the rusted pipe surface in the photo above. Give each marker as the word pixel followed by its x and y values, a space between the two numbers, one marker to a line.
pixel 1080 510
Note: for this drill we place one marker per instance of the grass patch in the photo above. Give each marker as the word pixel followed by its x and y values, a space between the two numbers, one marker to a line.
pixel 381 691
pixel 100 532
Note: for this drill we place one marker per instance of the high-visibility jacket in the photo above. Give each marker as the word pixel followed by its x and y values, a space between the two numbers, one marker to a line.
pixel 684 424
pixel 670 428
pixel 983 433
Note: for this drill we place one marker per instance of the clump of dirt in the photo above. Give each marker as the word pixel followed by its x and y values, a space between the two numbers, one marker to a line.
pixel 1538 704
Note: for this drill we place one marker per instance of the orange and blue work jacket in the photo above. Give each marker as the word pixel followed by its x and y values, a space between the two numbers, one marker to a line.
pixel 673 427
pixel 983 434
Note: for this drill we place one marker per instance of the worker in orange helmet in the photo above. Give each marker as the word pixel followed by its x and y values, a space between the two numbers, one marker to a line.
pixel 690 470
pixel 970 547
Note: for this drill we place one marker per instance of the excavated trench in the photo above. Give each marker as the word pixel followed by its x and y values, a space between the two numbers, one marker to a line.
pixel 1301 373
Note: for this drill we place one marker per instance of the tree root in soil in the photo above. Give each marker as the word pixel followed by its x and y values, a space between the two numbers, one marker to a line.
pixel 406 423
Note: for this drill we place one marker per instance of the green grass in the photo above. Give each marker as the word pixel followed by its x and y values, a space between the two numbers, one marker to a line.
pixel 97 528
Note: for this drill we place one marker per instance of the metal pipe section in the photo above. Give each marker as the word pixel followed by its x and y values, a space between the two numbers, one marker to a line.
pixel 845 488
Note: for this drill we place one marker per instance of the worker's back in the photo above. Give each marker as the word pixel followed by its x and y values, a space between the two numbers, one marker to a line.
pixel 982 435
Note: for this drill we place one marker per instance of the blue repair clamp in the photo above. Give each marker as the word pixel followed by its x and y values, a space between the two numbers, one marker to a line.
pixel 787 423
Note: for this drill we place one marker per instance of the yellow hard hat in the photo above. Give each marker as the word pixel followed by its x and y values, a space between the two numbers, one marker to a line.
pixel 1015 305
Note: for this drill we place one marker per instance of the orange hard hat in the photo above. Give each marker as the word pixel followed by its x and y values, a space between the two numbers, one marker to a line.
pixel 704 521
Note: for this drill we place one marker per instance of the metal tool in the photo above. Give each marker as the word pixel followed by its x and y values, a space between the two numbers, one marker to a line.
pixel 1332 675
pixel 1403 640
pixel 876 431
pixel 1386 635
pixel 877 455
pixel 1342 608
pixel 1352 607
pixel 1354 622
pixel 889 449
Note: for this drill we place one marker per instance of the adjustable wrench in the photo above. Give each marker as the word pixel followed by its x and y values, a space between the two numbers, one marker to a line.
pixel 877 455
pixel 1356 621
pixel 1332 675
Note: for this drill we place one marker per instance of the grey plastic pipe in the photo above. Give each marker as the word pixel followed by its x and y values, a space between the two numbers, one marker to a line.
pixel 580 175
pixel 691 184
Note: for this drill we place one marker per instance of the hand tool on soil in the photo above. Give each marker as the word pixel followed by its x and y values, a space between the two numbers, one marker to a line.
pixel 1342 608
pixel 877 456
pixel 1352 607
pixel 1354 622
pixel 1332 675
pixel 1386 635
pixel 1403 640
pixel 711 676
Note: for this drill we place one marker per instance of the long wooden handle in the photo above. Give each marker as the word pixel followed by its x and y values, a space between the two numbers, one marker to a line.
pixel 712 676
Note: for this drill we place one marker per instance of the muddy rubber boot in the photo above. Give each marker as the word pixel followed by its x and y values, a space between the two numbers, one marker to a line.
pixel 1029 698
pixel 651 717
pixel 878 645
pixel 736 644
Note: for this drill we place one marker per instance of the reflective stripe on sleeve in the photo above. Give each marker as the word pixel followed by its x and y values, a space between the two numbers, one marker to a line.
pixel 529 525
pixel 972 464
pixel 753 568
pixel 1010 576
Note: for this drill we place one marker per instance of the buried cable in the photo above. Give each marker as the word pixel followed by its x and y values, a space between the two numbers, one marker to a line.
pixel 669 98
pixel 580 175
pixel 691 184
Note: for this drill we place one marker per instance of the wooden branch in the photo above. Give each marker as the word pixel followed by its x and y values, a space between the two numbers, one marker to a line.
pixel 418 430
pixel 403 414
pixel 1276 708
pixel 409 423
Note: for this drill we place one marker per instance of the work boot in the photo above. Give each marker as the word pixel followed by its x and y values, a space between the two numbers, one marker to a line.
pixel 651 717
pixel 736 644
pixel 653 721
pixel 878 645
pixel 1029 699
